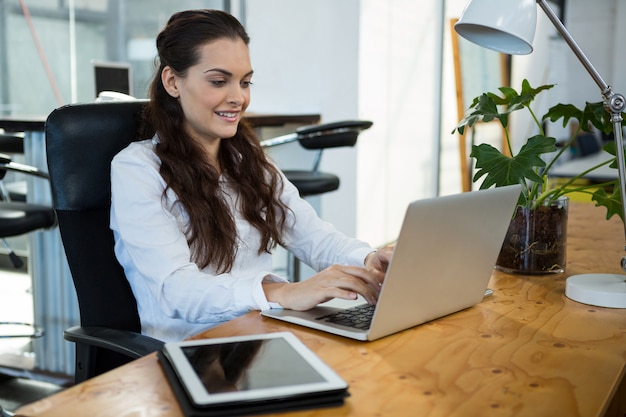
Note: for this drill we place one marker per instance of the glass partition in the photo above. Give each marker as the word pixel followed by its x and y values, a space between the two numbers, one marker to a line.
pixel 47 47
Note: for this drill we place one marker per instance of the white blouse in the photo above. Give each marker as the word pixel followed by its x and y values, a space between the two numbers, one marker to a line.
pixel 175 298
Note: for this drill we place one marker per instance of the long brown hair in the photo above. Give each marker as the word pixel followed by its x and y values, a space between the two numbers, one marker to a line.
pixel 212 234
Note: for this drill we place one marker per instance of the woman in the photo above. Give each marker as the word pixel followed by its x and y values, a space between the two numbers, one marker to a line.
pixel 197 209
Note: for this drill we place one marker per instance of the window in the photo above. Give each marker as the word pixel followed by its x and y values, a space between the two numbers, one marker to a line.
pixel 46 47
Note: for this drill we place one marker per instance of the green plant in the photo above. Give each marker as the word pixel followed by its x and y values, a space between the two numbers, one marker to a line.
pixel 526 167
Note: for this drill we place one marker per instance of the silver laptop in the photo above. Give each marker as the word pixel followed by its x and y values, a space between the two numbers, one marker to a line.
pixel 441 264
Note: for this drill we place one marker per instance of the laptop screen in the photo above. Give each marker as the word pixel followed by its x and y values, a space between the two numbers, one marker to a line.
pixel 112 76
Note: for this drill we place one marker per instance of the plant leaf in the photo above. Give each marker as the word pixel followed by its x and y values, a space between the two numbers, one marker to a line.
pixel 593 115
pixel 501 170
pixel 485 107
pixel 565 111
pixel 528 93
pixel 596 114
pixel 612 202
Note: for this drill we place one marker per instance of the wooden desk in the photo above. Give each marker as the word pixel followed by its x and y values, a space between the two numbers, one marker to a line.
pixel 525 351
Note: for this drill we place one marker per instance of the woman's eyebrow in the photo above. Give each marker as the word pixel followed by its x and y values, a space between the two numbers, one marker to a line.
pixel 227 73
pixel 220 70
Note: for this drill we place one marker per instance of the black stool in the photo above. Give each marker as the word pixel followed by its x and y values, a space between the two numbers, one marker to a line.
pixel 313 182
pixel 19 218
pixel 13 144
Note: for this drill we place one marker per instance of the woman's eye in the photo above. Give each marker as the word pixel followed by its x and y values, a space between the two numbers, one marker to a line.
pixel 218 83
pixel 246 84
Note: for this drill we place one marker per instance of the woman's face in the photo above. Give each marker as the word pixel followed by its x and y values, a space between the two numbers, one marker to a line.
pixel 215 92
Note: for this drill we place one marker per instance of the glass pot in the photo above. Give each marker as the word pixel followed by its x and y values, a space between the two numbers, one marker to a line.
pixel 536 241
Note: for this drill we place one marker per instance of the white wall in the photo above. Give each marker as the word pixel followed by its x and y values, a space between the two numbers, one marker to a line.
pixel 305 58
pixel 399 89
pixel 599 30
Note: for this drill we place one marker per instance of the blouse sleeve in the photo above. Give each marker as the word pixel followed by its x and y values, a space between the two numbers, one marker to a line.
pixel 316 242
pixel 152 248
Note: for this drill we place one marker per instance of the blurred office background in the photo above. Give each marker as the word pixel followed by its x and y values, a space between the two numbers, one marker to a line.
pixel 388 61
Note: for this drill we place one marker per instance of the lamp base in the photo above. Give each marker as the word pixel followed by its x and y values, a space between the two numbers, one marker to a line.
pixel 602 290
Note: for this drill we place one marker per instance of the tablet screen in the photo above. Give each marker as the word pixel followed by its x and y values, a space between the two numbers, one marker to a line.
pixel 249 368
pixel 252 364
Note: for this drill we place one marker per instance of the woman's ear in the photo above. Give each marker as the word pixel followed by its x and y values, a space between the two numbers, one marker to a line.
pixel 168 78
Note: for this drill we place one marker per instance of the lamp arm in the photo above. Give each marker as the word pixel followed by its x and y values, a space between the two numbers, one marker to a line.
pixel 613 102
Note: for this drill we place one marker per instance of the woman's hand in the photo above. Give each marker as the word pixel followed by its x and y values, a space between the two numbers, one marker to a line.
pixel 336 281
pixel 378 261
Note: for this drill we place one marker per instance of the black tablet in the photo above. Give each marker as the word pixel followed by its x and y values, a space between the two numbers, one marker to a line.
pixel 250 369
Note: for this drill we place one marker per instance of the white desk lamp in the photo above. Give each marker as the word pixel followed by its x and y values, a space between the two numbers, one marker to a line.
pixel 508 26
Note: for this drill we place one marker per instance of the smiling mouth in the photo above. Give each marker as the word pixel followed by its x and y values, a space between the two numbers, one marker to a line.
pixel 227 114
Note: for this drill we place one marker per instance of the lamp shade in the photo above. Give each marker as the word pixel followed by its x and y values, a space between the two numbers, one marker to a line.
pixel 502 25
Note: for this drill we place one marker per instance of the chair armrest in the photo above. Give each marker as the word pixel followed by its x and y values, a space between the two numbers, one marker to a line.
pixel 131 344
pixel 279 140
pixel 5 413
pixel 7 164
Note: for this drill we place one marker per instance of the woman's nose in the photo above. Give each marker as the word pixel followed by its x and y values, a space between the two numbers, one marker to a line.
pixel 236 96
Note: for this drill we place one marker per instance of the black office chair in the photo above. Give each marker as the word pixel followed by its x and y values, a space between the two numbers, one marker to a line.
pixel 312 181
pixel 318 137
pixel 19 217
pixel 12 144
pixel 81 140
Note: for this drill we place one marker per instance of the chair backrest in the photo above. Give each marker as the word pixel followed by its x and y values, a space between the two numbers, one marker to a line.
pixel 81 141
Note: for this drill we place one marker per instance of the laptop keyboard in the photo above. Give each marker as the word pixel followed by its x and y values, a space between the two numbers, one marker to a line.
pixel 359 317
